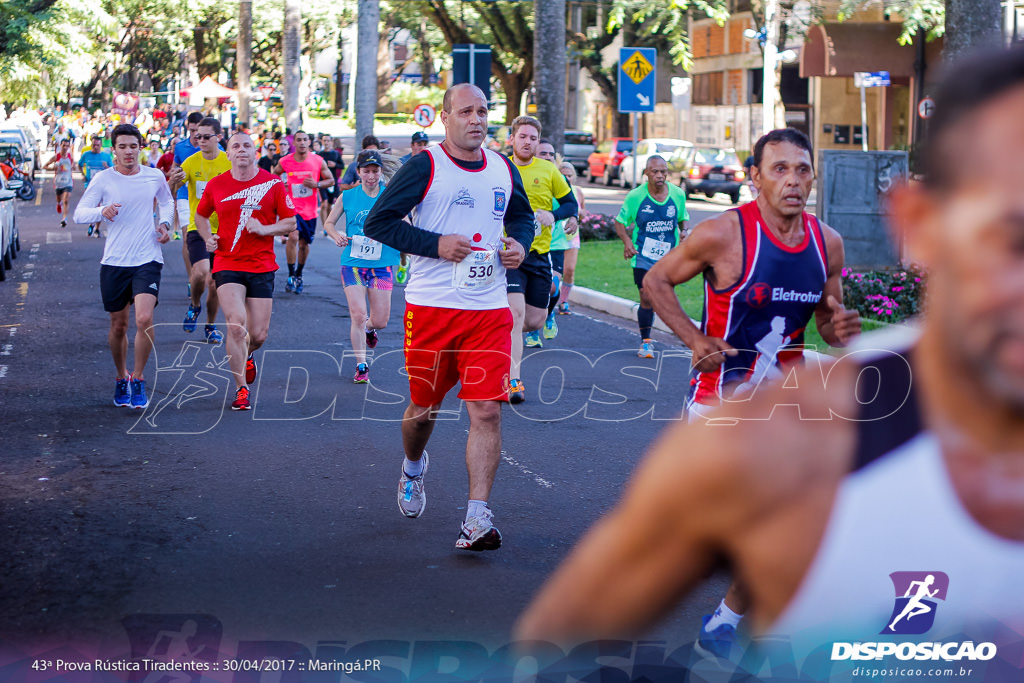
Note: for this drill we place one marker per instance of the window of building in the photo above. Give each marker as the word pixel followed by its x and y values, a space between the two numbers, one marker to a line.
pixel 707 88
pixel 755 85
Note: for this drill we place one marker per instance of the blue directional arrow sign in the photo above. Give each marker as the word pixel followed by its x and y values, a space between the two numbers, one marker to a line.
pixel 637 79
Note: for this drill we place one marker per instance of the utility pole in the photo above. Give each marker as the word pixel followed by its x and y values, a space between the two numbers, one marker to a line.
pixel 769 86
pixel 292 50
pixel 243 60
pixel 366 67
pixel 549 67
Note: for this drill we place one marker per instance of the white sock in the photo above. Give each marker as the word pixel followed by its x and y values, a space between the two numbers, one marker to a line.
pixel 413 468
pixel 723 615
pixel 475 508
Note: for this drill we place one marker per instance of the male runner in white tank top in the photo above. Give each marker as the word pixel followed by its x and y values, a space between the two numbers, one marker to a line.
pixel 859 483
pixel 471 220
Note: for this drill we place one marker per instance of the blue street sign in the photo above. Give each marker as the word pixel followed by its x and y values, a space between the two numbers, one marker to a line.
pixel 871 79
pixel 637 79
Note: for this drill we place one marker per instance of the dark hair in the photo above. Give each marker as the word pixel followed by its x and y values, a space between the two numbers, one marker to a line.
pixel 210 122
pixel 370 140
pixel 125 129
pixel 195 117
pixel 791 135
pixel 969 85
pixel 545 141
pixel 301 132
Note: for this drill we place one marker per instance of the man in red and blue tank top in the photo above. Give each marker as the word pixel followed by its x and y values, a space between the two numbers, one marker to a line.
pixel 768 267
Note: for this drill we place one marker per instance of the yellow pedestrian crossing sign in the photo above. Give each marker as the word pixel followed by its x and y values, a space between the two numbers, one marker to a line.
pixel 637 68
pixel 637 79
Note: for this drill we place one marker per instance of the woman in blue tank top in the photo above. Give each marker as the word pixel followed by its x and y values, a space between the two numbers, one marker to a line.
pixel 365 263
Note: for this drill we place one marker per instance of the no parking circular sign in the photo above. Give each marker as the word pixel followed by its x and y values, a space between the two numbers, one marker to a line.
pixel 424 115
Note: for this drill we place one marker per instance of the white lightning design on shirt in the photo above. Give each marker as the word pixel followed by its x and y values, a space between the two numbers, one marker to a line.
pixel 252 196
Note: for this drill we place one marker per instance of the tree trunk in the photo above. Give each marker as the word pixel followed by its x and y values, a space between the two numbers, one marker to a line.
pixel 292 51
pixel 383 73
pixel 971 24
pixel 514 86
pixel 339 75
pixel 426 61
pixel 549 68
pixel 243 60
pixel 366 69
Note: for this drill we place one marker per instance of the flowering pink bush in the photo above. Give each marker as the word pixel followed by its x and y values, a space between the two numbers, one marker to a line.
pixel 889 296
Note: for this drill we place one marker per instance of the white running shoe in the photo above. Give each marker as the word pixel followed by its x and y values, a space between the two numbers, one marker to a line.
pixel 412 499
pixel 479 534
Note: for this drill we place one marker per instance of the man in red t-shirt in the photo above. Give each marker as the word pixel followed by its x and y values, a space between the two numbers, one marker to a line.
pixel 252 207
pixel 167 160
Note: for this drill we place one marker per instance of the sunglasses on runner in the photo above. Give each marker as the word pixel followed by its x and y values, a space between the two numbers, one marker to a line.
pixel 205 136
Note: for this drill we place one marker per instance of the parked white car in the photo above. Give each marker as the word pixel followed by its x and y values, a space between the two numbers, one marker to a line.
pixel 645 149
pixel 10 241
pixel 35 124
pixel 12 131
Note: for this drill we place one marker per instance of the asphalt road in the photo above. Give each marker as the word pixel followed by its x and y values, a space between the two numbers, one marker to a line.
pixel 276 531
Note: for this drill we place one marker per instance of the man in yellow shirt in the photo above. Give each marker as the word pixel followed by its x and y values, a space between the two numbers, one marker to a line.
pixel 529 286
pixel 195 172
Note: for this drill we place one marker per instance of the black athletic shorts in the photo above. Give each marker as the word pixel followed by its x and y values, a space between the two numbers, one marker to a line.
pixel 329 194
pixel 306 228
pixel 257 285
pixel 120 284
pixel 197 248
pixel 558 260
pixel 532 279
pixel 638 277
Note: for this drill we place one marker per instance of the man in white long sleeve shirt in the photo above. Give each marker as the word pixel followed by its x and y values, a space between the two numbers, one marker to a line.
pixel 122 198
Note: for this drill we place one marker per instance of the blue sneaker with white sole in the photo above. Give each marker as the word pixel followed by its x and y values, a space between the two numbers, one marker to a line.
pixel 715 643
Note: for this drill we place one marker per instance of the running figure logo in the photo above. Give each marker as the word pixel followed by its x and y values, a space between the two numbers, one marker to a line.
pixel 252 196
pixel 916 595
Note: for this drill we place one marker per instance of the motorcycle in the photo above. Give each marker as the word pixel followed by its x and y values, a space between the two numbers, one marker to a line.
pixel 22 184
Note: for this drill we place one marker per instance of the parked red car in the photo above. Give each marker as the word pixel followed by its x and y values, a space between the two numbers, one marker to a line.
pixel 605 160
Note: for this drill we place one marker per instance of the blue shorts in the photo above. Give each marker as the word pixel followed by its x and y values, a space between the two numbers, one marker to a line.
pixel 306 228
pixel 371 278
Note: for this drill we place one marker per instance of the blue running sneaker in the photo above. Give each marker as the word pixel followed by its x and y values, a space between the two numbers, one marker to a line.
pixel 550 326
pixel 191 317
pixel 715 643
pixel 213 335
pixel 412 499
pixel 139 399
pixel 298 285
pixel 289 284
pixel 122 393
pixel 532 340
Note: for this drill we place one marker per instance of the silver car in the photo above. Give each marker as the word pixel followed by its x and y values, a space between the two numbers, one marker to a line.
pixel 579 145
pixel 10 242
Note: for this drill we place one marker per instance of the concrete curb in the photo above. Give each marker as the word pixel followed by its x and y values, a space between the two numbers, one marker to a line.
pixel 613 305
